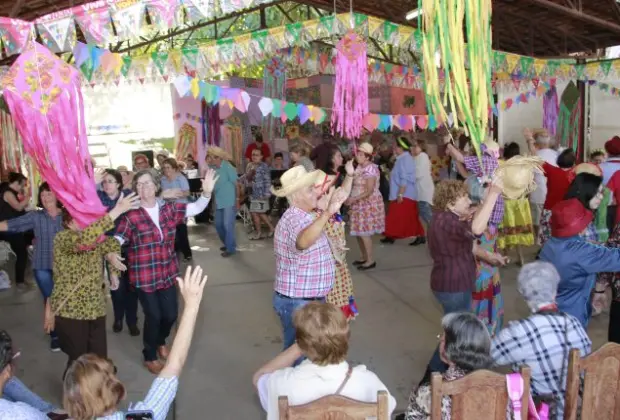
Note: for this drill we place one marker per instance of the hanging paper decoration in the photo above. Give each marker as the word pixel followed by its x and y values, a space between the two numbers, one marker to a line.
pixel 274 86
pixel 550 111
pixel 44 97
pixel 442 24
pixel 570 118
pixel 11 144
pixel 57 34
pixel 15 34
pixel 163 13
pixel 95 21
pixel 351 90
pixel 198 10
pixel 128 18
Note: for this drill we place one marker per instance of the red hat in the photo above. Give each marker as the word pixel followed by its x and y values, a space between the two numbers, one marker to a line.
pixel 569 218
pixel 612 147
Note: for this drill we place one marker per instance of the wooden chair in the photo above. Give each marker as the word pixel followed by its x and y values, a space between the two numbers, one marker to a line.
pixel 601 384
pixel 479 395
pixel 335 407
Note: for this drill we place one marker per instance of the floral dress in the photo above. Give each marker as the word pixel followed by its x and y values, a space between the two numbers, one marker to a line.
pixel 487 301
pixel 367 215
pixel 419 407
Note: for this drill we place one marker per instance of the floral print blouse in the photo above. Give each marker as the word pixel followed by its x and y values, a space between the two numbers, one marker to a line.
pixel 419 407
pixel 78 259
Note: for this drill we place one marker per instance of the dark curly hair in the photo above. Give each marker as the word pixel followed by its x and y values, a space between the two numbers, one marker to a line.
pixel 6 350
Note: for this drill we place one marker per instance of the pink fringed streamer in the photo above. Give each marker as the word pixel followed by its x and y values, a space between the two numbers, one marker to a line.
pixel 551 108
pixel 351 91
pixel 44 97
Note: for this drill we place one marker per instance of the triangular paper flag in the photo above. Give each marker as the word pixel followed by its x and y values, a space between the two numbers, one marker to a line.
pixel 80 53
pixel 128 20
pixel 277 108
pixel 304 113
pixel 126 65
pixel 57 34
pixel 182 85
pixel 266 106
pixel 320 116
pixel 290 109
pixel 245 97
pixel 194 87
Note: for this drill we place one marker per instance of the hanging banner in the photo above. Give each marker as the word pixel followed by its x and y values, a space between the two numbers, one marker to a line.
pixel 128 16
pixel 15 34
pixel 198 10
pixel 57 32
pixel 164 13
pixel 95 21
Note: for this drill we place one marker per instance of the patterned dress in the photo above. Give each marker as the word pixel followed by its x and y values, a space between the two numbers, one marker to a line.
pixel 516 228
pixel 487 302
pixel 419 407
pixel 367 215
pixel 341 294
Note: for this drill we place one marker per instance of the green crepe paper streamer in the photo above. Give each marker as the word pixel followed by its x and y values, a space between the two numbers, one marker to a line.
pixel 294 29
pixel 321 117
pixel 277 108
pixel 160 59
pixel 526 64
pixel 606 66
pixel 126 65
pixel 260 37
pixel 290 109
pixel 87 69
pixel 388 30
pixel 417 36
pixel 499 60
pixel 191 54
pixel 552 67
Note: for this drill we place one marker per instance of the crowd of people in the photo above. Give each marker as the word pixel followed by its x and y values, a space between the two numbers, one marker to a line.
pixel 467 225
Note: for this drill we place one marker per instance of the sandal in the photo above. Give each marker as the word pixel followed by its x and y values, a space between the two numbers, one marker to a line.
pixel 359 262
pixel 255 237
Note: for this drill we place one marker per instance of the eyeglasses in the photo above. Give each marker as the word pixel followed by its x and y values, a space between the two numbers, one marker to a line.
pixel 107 181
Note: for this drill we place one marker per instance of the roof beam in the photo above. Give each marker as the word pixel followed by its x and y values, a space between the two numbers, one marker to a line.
pixel 17 7
pixel 576 14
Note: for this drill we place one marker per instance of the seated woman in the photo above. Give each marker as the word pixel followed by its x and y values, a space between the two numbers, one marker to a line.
pixel 465 347
pixel 322 333
pixel 543 340
pixel 92 390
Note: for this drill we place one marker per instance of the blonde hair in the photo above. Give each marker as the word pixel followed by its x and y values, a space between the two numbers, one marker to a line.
pixel 298 148
pixel 322 333
pixel 91 388
pixel 447 192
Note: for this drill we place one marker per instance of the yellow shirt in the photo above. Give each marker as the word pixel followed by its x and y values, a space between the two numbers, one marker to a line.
pixel 78 258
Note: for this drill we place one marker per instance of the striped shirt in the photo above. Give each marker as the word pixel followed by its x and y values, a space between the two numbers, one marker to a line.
pixel 45 228
pixel 158 400
pixel 450 243
pixel 301 274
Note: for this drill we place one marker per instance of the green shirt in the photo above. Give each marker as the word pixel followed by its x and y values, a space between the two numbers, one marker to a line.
pixel 225 190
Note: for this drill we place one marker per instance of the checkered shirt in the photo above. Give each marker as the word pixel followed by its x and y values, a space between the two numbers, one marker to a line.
pixel 158 400
pixel 543 342
pixel 301 274
pixel 152 262
pixel 488 168
pixel 45 229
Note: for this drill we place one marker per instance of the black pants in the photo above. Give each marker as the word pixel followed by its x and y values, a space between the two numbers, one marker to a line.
pixel 181 241
pixel 160 313
pixel 18 244
pixel 613 333
pixel 611 218
pixel 125 301
pixel 77 337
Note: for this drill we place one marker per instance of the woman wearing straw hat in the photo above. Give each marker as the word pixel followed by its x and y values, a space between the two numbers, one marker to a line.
pixel 367 211
pixel 305 266
pixel 225 192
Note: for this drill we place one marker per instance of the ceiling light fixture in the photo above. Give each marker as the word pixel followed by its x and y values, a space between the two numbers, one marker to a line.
pixel 413 14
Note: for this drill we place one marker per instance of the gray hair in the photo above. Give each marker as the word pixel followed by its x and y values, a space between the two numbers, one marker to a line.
pixel 538 284
pixel 542 139
pixel 154 176
pixel 467 341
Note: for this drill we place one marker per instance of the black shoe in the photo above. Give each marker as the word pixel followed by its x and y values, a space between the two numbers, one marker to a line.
pixel 420 240
pixel 227 254
pixel 367 267
pixel 187 259
pixel 118 326
pixel 222 248
pixel 134 331
pixel 358 262
pixel 387 240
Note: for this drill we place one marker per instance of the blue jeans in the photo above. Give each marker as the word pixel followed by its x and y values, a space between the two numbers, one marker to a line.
pixel 45 281
pixel 225 227
pixel 450 302
pixel 16 391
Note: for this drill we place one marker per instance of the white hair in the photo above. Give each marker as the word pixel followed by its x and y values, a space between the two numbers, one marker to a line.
pixel 543 140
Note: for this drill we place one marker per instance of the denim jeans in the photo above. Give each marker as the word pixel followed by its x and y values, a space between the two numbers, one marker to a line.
pixel 45 281
pixel 225 227
pixel 16 391
pixel 160 313
pixel 450 302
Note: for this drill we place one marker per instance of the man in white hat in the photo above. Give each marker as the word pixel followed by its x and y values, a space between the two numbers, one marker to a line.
pixel 305 266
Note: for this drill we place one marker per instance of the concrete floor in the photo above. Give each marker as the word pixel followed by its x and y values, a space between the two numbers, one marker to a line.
pixel 237 330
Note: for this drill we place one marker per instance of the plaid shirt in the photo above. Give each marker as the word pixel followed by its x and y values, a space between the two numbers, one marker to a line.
pixel 488 168
pixel 301 274
pixel 158 400
pixel 152 261
pixel 45 229
pixel 543 342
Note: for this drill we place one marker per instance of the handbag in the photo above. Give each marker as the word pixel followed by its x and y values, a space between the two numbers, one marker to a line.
pixel 514 384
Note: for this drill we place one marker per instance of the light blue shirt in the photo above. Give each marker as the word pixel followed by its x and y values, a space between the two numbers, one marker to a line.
pixel 180 182
pixel 225 190
pixel 18 410
pixel 403 174
pixel 609 168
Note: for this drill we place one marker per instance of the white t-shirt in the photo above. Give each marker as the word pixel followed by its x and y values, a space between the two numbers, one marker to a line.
pixel 423 178
pixel 19 411
pixel 539 195
pixel 309 382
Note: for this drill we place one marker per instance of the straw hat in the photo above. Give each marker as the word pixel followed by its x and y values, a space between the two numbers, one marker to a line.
pixel 588 168
pixel 123 168
pixel 164 153
pixel 366 148
pixel 492 145
pixel 517 175
pixel 295 179
pixel 218 152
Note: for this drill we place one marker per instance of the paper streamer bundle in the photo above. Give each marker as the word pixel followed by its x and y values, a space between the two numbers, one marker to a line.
pixel 44 97
pixel 517 175
pixel 467 90
pixel 274 86
pixel 551 107
pixel 351 90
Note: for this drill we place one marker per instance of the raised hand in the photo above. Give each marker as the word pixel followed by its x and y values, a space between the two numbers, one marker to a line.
pixel 208 184
pixel 127 203
pixel 337 199
pixel 116 261
pixel 192 286
pixel 527 133
pixel 349 168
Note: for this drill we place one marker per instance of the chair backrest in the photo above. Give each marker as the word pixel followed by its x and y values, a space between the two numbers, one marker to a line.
pixel 335 407
pixel 480 395
pixel 601 384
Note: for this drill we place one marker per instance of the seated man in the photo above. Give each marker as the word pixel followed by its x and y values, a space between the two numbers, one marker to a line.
pixel 322 334
pixel 544 339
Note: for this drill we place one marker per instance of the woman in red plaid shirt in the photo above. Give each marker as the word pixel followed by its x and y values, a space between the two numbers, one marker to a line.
pixel 149 232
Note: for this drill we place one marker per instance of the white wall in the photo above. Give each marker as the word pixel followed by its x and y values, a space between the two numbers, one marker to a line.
pixel 605 116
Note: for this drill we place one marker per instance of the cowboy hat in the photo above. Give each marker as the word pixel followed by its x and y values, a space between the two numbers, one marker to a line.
pixel 215 151
pixel 296 179
pixel 366 148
